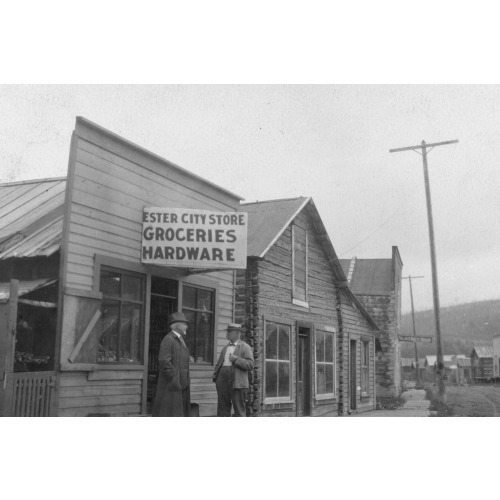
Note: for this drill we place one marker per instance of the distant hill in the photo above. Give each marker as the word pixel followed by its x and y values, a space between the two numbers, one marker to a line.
pixel 462 327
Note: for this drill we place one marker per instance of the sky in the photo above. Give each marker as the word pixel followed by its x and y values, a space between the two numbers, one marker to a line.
pixel 329 142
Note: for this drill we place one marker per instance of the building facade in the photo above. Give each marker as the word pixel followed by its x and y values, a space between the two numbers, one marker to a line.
pixel 313 340
pixel 102 306
pixel 377 284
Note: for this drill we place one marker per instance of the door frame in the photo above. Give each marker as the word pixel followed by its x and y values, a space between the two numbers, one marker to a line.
pixel 353 375
pixel 308 326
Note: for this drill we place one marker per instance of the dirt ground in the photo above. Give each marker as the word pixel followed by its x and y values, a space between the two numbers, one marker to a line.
pixel 474 400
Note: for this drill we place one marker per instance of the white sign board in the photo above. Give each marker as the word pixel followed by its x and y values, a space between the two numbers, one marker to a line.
pixel 184 237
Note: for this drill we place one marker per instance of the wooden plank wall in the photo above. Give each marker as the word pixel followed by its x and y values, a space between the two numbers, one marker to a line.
pixel 275 298
pixel 112 181
pixel 356 328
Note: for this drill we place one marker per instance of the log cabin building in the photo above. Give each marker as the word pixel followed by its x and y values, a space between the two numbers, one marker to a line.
pixel 313 340
pixel 377 284
pixel 83 300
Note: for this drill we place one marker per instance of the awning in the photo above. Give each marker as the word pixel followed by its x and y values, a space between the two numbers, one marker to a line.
pixel 24 287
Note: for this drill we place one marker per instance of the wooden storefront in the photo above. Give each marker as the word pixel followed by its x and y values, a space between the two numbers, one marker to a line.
pixel 111 306
pixel 313 341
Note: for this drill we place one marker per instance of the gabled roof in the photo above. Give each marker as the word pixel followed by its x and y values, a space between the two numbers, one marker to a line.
pixel 406 361
pixel 483 351
pixel 369 276
pixel 31 217
pixel 464 362
pixel 267 220
pixel 431 359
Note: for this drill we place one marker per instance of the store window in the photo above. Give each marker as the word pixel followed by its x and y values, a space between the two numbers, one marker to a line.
pixel 325 364
pixel 198 305
pixel 277 361
pixel 299 265
pixel 120 327
pixel 365 364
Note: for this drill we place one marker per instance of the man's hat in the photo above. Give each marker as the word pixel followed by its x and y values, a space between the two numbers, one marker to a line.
pixel 234 326
pixel 177 317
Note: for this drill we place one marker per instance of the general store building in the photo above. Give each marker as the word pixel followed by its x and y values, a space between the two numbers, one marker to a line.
pixel 84 297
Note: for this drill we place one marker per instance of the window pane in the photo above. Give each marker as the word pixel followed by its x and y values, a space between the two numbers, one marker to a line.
pixel 203 344
pixel 271 380
pixel 162 286
pixel 132 287
pixel 329 379
pixel 329 347
pixel 130 340
pixel 321 384
pixel 205 300
pixel 320 346
pixel 284 343
pixel 108 331
pixel 110 283
pixel 284 380
pixel 271 341
pixel 190 337
pixel 189 297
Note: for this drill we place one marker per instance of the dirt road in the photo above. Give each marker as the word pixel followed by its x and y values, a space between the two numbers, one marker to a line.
pixel 474 401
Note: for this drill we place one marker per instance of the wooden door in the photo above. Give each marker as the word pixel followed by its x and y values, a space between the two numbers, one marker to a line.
pixel 163 304
pixel 353 382
pixel 304 373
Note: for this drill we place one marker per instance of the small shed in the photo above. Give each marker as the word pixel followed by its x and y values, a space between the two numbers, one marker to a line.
pixel 482 363
pixel 464 369
pixel 496 356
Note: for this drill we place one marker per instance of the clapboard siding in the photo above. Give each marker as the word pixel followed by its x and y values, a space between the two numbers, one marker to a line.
pixel 79 396
pixel 109 183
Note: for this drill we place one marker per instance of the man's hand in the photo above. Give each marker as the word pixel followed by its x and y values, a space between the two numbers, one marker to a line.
pixel 232 358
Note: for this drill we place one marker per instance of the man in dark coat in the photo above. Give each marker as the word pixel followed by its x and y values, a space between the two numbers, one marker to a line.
pixel 173 393
pixel 231 374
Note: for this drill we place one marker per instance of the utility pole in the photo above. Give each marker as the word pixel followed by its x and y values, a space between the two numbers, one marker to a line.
pixel 417 364
pixel 435 290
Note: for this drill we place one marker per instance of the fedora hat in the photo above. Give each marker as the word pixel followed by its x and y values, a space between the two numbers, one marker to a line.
pixel 177 317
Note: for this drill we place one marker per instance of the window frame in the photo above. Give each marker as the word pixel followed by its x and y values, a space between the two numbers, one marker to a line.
pixel 181 306
pixel 295 299
pixel 333 331
pixel 121 301
pixel 365 368
pixel 291 393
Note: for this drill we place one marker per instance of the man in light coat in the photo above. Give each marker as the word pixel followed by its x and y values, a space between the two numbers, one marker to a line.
pixel 231 374
pixel 173 392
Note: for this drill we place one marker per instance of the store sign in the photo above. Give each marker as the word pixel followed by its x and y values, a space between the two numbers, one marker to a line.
pixel 420 340
pixel 182 237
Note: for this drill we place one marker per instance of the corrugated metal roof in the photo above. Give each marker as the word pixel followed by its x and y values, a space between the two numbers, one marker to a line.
pixel 30 217
pixel 431 359
pixel 370 276
pixel 483 351
pixel 464 362
pixel 42 243
pixel 406 361
pixel 24 287
pixel 267 220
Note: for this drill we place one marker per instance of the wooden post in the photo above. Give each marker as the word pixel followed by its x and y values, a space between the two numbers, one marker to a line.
pixel 435 289
pixel 10 347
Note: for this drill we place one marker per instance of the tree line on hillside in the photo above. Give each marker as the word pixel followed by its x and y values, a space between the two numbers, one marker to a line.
pixel 462 327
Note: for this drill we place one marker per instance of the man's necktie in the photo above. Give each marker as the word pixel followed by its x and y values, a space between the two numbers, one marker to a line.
pixel 182 342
